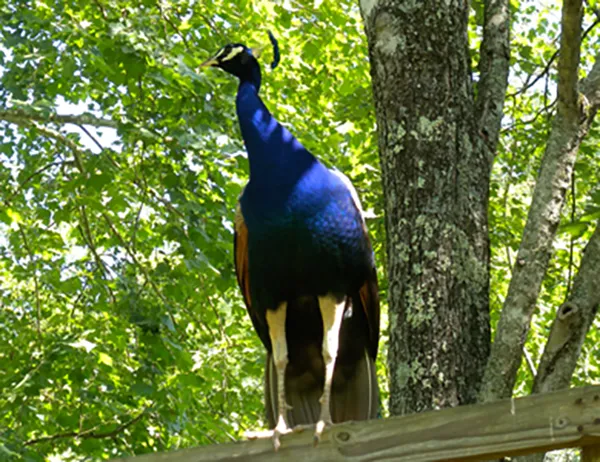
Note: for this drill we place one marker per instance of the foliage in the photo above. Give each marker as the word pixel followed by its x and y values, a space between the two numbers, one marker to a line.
pixel 529 108
pixel 122 330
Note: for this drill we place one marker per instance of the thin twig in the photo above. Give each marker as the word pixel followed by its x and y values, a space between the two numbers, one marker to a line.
pixel 219 321
pixel 39 171
pixel 520 123
pixel 546 69
pixel 530 84
pixel 211 25
pixel 168 21
pixel 139 178
pixel 136 226
pixel 97 2
pixel 193 314
pixel 89 433
pixel 82 292
pixel 25 117
pixel 166 203
pixel 88 238
pixel 29 375
pixel 93 138
pixel 77 152
pixel 36 284
pixel 141 267
pixel 595 10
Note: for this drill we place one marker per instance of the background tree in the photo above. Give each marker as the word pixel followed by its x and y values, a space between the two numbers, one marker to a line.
pixel 121 330
pixel 438 138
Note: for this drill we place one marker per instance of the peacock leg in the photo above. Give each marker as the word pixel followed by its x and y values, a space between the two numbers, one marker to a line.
pixel 276 323
pixel 332 312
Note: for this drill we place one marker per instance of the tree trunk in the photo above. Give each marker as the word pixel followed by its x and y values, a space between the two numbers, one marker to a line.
pixel 436 169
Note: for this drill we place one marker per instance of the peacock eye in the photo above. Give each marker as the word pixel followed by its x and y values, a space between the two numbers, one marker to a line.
pixel 222 52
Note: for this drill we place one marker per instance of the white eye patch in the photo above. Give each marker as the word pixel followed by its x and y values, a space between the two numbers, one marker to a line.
pixel 233 53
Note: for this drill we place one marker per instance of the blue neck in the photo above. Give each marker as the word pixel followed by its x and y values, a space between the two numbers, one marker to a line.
pixel 275 155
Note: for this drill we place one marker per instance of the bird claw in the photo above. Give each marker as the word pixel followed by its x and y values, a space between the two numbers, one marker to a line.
pixel 321 424
pixel 301 428
pixel 255 434
pixel 275 434
pixel 279 430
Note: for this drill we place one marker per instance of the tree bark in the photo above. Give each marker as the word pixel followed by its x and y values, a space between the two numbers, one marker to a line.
pixel 494 65
pixel 436 144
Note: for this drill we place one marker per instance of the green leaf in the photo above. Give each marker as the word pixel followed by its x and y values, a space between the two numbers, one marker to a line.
pixel 574 229
pixel 105 359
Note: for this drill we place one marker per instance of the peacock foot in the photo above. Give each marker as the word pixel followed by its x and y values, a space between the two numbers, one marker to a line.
pixel 321 424
pixel 282 428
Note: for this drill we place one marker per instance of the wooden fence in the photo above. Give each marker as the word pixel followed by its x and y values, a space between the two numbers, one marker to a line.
pixel 564 419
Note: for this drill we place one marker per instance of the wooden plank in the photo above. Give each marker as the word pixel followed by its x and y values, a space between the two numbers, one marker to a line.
pixel 567 418
pixel 591 453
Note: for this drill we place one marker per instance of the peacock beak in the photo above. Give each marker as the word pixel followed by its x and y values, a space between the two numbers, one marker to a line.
pixel 209 62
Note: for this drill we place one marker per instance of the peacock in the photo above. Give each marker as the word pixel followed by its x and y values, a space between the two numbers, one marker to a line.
pixel 306 269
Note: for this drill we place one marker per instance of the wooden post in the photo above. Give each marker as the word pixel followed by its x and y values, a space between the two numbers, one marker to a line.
pixel 591 453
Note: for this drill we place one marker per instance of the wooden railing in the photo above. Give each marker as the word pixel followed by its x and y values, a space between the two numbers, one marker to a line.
pixel 564 419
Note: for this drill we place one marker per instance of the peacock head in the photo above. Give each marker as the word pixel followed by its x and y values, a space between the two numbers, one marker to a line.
pixel 234 58
pixel 237 59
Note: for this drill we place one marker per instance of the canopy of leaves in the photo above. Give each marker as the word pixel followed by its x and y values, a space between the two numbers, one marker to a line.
pixel 529 108
pixel 122 330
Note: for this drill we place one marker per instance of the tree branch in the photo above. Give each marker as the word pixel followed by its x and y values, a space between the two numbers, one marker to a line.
pixel 211 24
pixel 493 69
pixel 29 117
pixel 571 124
pixel 531 83
pixel 90 136
pixel 36 283
pixel 89 433
pixel 19 116
pixel 591 89
pixel 25 122
pixel 572 322
pixel 568 65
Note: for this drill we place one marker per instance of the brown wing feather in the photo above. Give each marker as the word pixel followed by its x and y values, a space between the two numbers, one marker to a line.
pixel 241 255
pixel 369 296
pixel 240 248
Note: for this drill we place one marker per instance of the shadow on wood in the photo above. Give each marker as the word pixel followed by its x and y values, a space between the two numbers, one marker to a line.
pixel 563 419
